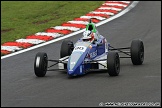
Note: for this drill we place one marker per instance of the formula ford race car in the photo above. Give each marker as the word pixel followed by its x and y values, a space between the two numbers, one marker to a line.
pixel 86 55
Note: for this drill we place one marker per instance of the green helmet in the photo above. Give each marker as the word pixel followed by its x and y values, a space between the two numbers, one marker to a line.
pixel 91 26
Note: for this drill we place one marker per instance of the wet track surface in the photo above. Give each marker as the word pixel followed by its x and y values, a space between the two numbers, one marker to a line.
pixel 20 86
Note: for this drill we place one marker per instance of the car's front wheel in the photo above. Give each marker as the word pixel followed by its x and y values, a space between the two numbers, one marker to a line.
pixel 113 63
pixel 40 64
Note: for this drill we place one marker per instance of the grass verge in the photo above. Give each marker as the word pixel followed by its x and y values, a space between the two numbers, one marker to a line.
pixel 22 18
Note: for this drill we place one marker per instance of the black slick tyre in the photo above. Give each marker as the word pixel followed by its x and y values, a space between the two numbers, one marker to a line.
pixel 113 63
pixel 40 64
pixel 66 48
pixel 137 52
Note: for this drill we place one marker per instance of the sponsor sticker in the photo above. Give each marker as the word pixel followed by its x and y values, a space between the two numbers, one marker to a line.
pixel 80 48
pixel 93 54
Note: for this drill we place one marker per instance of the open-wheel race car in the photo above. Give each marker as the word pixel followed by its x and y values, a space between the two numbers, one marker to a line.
pixel 90 52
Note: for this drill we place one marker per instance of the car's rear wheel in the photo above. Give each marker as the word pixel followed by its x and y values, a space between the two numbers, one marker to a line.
pixel 66 48
pixel 137 52
pixel 40 64
pixel 113 63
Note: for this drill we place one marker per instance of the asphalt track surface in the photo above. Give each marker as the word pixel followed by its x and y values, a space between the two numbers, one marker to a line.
pixel 20 87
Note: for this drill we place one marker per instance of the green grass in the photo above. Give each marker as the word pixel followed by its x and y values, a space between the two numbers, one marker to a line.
pixel 22 18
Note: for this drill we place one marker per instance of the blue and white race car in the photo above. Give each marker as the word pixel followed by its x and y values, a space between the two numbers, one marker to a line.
pixel 90 52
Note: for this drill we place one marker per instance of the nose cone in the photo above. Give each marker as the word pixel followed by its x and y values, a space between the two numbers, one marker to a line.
pixel 76 59
pixel 75 66
pixel 71 73
pixel 78 70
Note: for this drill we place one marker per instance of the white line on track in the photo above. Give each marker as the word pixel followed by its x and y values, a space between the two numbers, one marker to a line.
pixel 74 33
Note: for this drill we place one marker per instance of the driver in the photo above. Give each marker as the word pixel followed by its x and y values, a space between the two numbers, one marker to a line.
pixel 92 27
pixel 88 36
